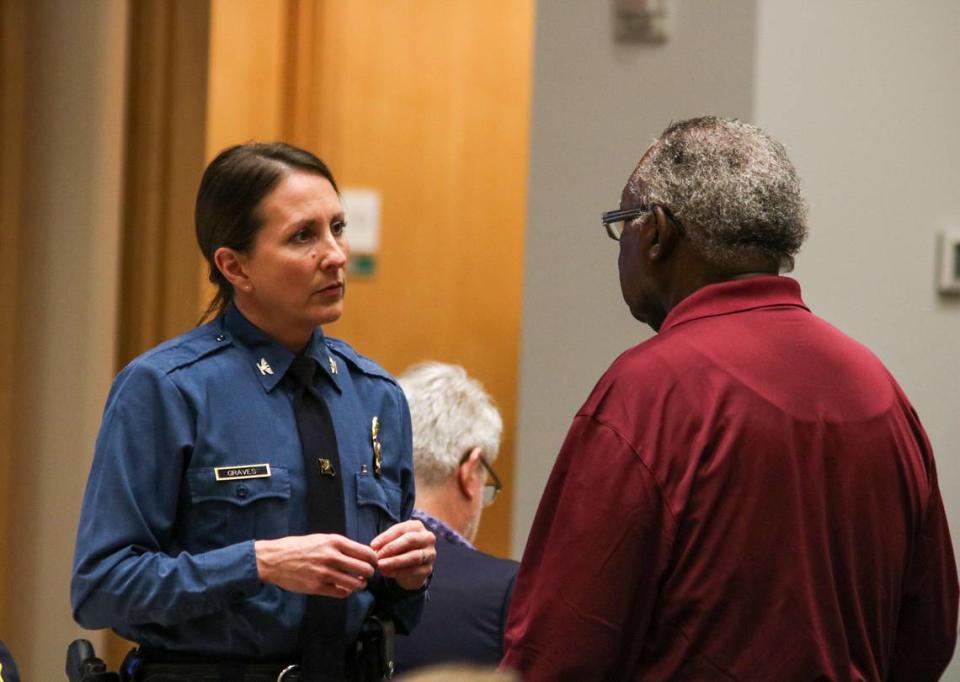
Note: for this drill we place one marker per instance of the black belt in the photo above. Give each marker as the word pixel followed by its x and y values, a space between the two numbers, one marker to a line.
pixel 152 665
pixel 213 672
pixel 369 658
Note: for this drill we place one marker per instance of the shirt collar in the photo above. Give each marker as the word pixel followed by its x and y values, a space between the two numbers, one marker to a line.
pixel 734 296
pixel 438 527
pixel 270 360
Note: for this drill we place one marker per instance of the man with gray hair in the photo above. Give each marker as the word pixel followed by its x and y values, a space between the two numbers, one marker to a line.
pixel 748 495
pixel 456 437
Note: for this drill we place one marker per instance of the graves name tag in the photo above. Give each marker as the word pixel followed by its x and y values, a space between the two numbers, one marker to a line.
pixel 233 473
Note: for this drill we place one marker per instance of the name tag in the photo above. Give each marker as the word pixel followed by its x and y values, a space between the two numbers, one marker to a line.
pixel 242 471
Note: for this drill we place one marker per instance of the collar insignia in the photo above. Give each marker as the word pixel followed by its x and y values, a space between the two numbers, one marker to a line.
pixel 264 367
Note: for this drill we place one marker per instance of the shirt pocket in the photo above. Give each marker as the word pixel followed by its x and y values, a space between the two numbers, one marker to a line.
pixel 230 511
pixel 378 506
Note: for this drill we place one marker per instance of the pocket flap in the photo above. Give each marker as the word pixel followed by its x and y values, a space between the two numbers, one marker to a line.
pixel 204 486
pixel 370 491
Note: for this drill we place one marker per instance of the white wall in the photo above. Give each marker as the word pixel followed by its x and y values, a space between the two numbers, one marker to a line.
pixel 68 264
pixel 865 95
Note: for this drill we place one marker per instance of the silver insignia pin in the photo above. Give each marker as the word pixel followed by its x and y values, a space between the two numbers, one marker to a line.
pixel 264 367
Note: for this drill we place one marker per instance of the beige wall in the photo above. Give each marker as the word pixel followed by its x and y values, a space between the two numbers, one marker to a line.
pixel 68 265
pixel 865 96
pixel 870 113
pixel 596 107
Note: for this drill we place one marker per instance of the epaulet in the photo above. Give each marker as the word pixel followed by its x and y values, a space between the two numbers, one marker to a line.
pixel 188 348
pixel 360 362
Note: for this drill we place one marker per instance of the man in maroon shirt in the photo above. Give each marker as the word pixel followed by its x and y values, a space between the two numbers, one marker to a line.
pixel 748 495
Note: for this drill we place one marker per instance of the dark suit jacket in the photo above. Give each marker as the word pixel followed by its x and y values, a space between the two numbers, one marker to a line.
pixel 465 611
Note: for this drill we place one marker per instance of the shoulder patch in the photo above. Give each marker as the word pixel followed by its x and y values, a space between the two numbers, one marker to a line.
pixel 187 348
pixel 360 362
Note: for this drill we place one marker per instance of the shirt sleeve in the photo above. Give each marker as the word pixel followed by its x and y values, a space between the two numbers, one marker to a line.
pixel 927 624
pixel 8 669
pixel 402 606
pixel 588 580
pixel 126 570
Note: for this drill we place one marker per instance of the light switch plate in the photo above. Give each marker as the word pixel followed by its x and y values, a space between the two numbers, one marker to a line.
pixel 948 257
pixel 362 210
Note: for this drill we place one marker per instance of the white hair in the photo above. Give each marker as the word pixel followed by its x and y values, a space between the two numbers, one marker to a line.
pixel 451 415
pixel 731 185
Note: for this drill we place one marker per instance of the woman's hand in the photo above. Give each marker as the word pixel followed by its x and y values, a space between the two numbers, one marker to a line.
pixel 327 565
pixel 405 552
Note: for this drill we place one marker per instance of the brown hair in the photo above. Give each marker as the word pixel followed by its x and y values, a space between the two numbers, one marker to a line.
pixel 232 187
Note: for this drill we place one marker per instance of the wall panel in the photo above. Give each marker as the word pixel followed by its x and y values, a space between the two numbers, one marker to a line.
pixel 165 150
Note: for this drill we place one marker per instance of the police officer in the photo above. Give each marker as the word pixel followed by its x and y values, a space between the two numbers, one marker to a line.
pixel 198 535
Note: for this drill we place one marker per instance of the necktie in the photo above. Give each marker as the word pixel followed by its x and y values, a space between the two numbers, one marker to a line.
pixel 323 637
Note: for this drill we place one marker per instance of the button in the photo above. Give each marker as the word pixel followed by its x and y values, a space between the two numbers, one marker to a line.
pixel 220 337
pixel 242 491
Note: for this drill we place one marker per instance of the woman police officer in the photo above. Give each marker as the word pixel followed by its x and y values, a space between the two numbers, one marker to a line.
pixel 195 537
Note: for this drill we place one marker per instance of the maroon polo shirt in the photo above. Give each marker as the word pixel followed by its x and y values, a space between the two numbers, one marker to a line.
pixel 748 495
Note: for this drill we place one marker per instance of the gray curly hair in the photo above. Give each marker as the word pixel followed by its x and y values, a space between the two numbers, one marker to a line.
pixel 730 185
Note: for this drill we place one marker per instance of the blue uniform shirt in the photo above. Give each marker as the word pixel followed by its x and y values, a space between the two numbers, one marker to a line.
pixel 8 669
pixel 164 551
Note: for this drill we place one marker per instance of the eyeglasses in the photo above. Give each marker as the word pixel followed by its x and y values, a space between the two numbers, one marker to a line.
pixel 615 221
pixel 493 486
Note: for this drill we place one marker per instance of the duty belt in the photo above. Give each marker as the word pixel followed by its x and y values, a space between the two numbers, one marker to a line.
pixel 369 658
pixel 147 671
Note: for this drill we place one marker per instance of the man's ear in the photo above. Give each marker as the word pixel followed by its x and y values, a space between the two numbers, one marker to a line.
pixel 466 473
pixel 232 265
pixel 663 234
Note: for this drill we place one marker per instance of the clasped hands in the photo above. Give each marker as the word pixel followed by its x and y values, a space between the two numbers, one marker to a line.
pixel 336 566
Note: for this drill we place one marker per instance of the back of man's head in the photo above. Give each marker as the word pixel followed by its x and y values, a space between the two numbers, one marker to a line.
pixel 731 185
pixel 451 415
